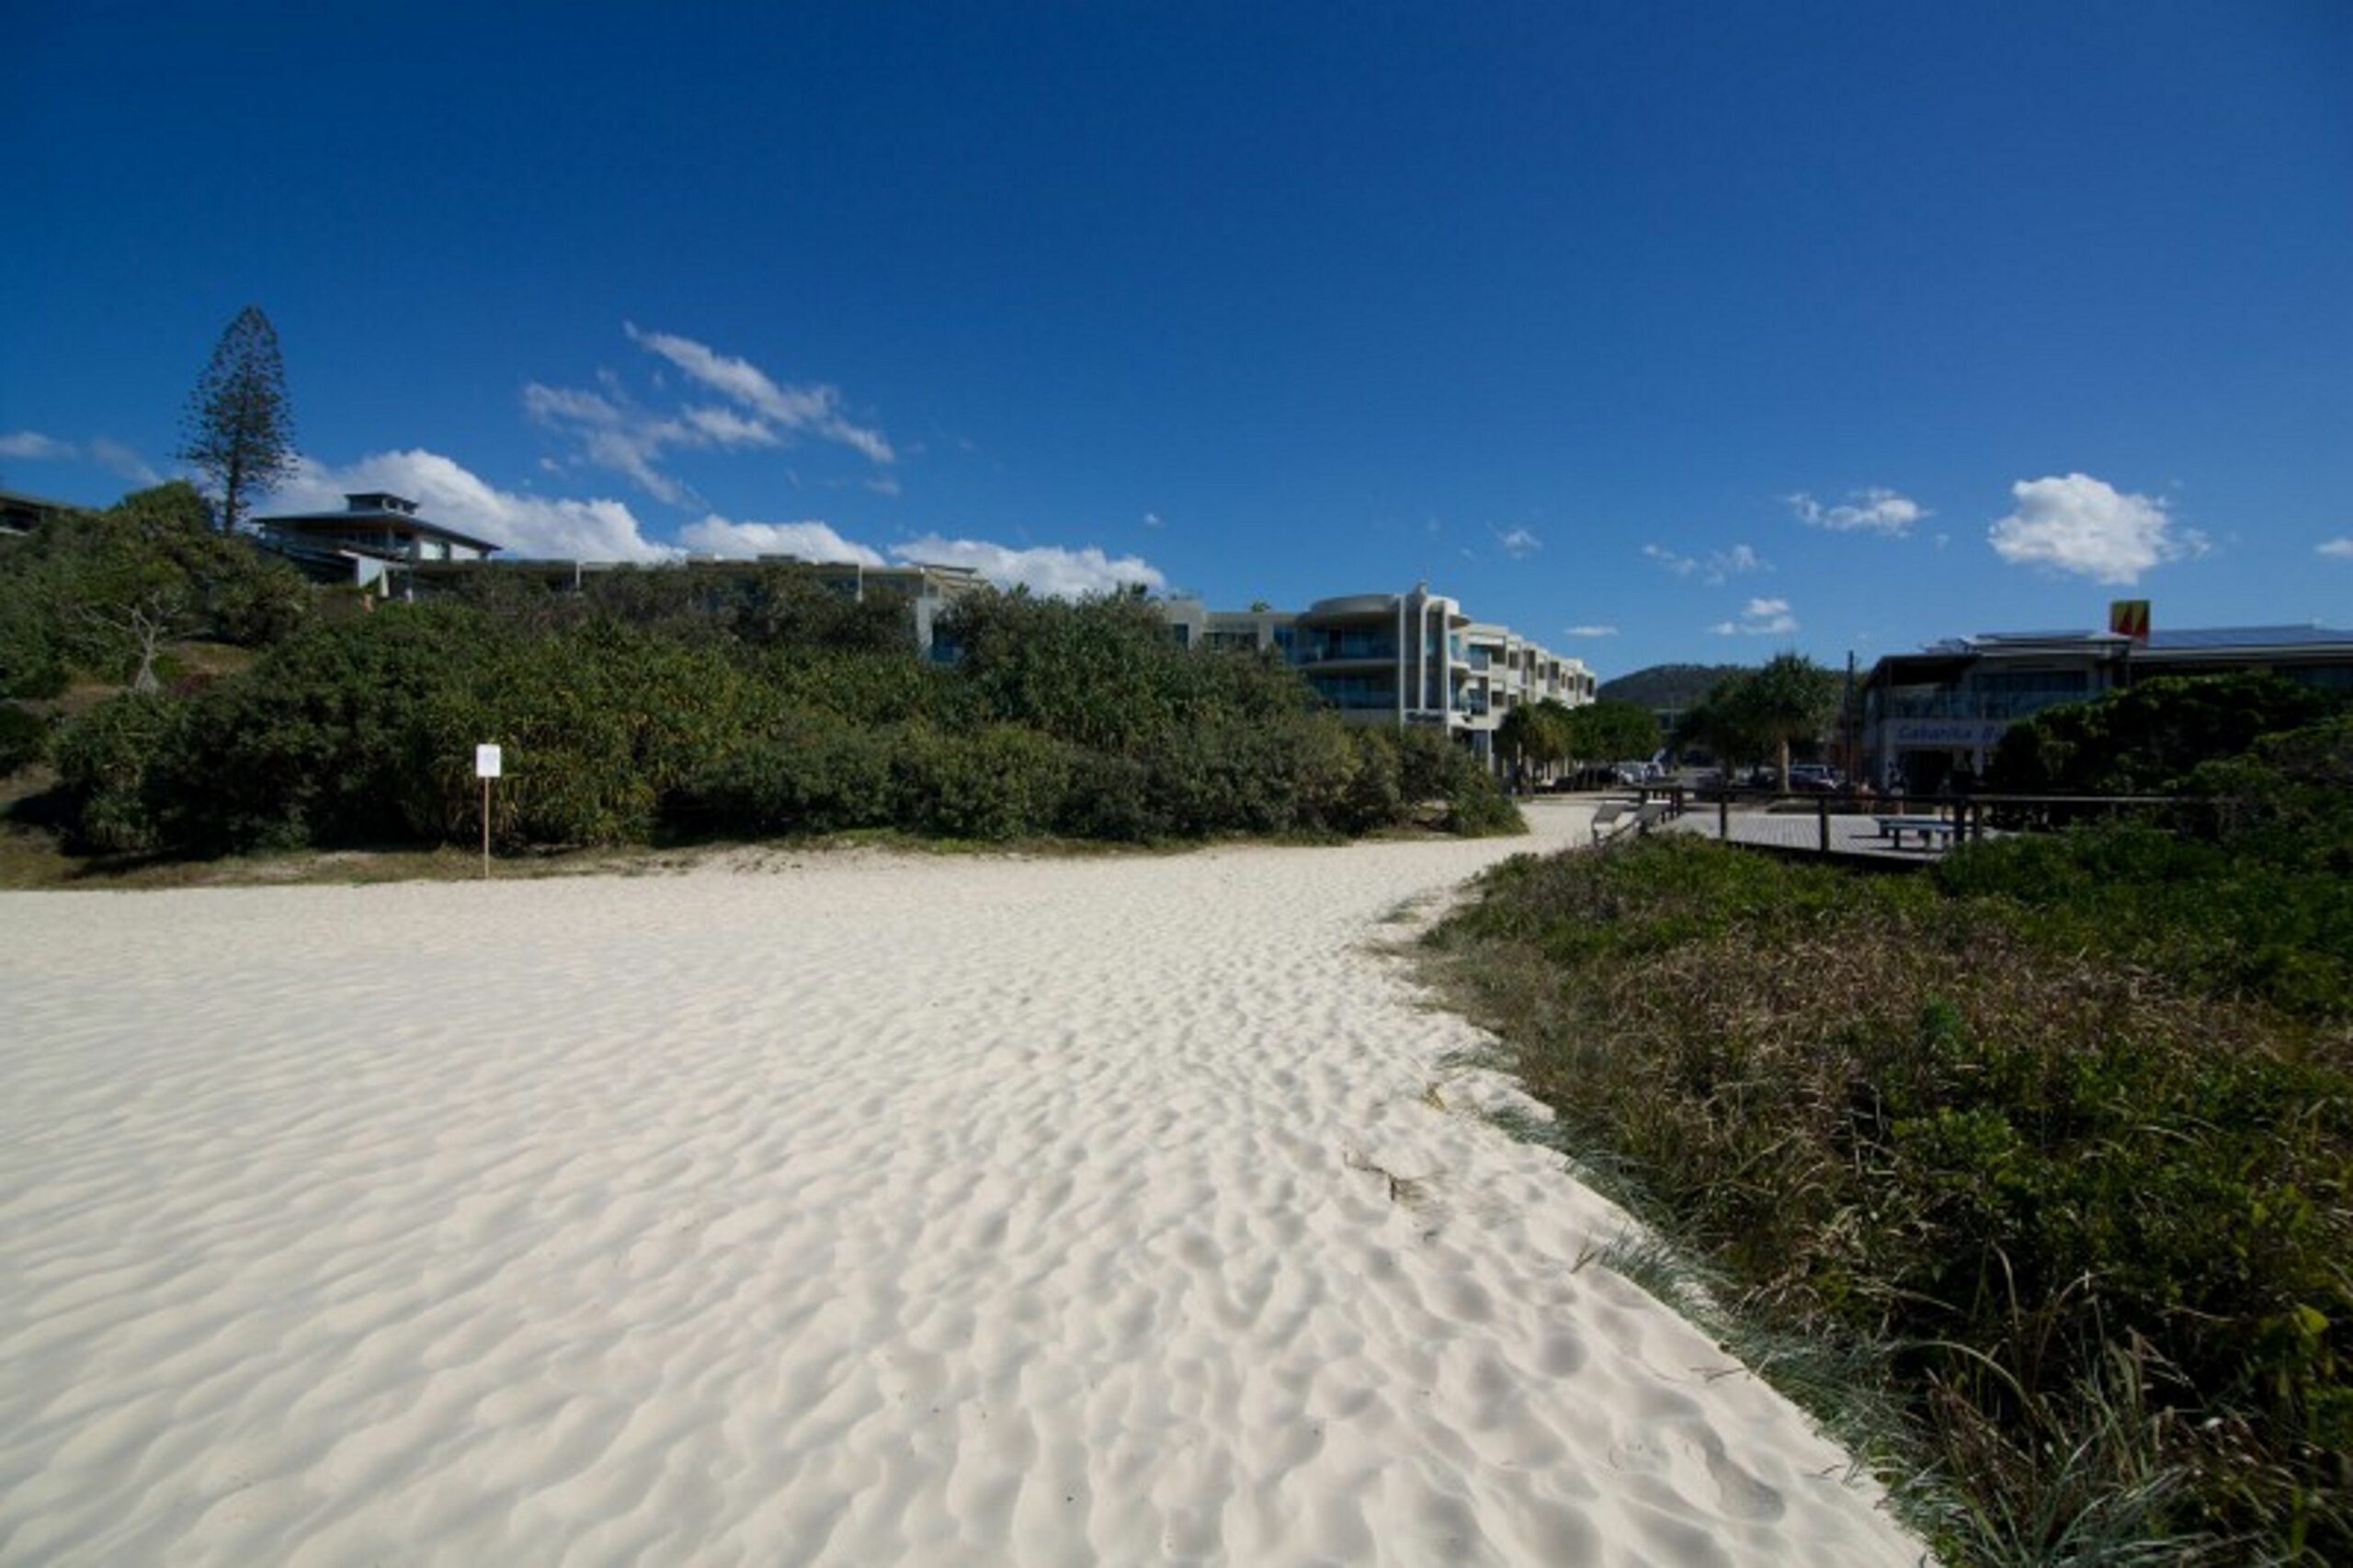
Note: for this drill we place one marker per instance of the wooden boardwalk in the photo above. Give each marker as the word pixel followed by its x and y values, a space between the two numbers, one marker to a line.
pixel 1801 832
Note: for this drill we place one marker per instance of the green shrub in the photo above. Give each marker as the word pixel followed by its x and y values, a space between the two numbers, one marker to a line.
pixel 32 664
pixel 1373 797
pixel 813 772
pixel 1443 782
pixel 104 759
pixel 1003 782
pixel 1110 797
pixel 669 698
pixel 24 738
pixel 2148 737
pixel 254 601
pixel 1478 808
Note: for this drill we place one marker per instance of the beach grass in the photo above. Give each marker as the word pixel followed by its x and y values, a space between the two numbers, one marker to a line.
pixel 2084 1225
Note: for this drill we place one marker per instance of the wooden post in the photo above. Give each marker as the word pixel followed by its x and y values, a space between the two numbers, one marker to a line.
pixel 1724 817
pixel 1821 821
pixel 485 830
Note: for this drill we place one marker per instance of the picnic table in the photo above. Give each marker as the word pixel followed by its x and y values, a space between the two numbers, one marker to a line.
pixel 1931 829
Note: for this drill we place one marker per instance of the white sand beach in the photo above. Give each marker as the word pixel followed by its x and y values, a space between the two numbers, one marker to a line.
pixel 864 1210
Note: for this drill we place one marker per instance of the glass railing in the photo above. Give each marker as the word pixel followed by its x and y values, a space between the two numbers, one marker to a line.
pixel 1344 691
pixel 1342 646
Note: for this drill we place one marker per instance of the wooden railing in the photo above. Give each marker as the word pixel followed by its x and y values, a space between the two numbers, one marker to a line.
pixel 1969 814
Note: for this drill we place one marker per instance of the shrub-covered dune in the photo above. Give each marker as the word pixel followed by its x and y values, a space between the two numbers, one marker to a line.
pixel 644 711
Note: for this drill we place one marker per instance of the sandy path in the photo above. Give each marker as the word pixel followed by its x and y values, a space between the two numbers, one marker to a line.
pixel 873 1211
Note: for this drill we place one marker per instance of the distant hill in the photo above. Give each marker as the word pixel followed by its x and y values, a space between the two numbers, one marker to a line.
pixel 1666 685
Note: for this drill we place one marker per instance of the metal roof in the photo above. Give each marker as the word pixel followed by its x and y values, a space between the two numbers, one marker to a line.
pixel 2182 640
pixel 2226 637
pixel 2003 638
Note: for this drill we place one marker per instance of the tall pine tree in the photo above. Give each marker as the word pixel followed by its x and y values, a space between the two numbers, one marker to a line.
pixel 239 427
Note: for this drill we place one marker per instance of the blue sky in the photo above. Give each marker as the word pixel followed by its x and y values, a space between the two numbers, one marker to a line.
pixel 1658 332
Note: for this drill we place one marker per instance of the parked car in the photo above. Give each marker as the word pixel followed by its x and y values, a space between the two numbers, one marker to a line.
pixel 1814 779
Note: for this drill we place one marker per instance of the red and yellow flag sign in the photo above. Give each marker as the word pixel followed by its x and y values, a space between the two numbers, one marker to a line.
pixel 2129 617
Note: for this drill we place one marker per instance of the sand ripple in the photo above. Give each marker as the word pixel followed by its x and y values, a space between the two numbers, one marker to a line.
pixel 867 1211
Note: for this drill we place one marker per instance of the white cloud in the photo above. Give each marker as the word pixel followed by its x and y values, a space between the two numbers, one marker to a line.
pixel 616 435
pixel 37 448
pixel 726 427
pixel 1737 561
pixel 1718 567
pixel 612 430
pixel 1761 618
pixel 111 455
pixel 2338 549
pixel 448 494
pixel 1519 543
pixel 122 462
pixel 1046 569
pixel 1151 520
pixel 2082 525
pixel 814 409
pixel 1874 510
pixel 808 540
pixel 1589 630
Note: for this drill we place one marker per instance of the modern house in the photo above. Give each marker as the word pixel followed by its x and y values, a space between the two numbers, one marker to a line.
pixel 1403 659
pixel 376 541
pixel 21 513
pixel 1932 715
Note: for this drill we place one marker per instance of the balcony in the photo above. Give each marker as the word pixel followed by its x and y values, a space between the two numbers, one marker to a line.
pixel 1344 647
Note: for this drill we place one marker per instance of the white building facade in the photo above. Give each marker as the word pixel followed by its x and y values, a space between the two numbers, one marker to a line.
pixel 1404 659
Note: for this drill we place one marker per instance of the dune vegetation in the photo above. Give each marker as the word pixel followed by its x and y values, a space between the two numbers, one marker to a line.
pixel 2046 1156
pixel 658 705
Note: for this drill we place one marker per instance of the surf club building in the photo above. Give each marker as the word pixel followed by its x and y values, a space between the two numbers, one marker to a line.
pixel 1933 717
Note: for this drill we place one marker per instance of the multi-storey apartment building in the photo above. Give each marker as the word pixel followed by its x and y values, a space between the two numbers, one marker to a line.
pixel 1410 658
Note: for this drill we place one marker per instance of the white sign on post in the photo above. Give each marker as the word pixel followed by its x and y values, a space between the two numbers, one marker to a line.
pixel 485 769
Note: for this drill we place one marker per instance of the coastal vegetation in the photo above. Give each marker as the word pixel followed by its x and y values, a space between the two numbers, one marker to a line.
pixel 655 705
pixel 1549 733
pixel 1753 715
pixel 2048 1151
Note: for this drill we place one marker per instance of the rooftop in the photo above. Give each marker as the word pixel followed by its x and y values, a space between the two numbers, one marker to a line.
pixel 370 507
pixel 2187 639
